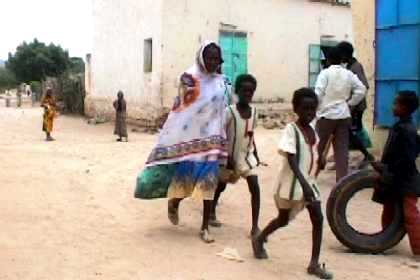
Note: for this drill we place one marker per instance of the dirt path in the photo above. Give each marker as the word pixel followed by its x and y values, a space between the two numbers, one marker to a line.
pixel 67 212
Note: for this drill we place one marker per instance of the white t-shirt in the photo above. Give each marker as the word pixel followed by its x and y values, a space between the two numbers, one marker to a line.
pixel 337 89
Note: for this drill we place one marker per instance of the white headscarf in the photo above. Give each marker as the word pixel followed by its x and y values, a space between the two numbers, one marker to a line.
pixel 199 67
pixel 197 131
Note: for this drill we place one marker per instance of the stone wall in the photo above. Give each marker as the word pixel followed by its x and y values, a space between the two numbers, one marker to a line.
pixel 364 35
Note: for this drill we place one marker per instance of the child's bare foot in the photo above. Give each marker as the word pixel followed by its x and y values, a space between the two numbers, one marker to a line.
pixel 214 222
pixel 206 236
pixel 320 272
pixel 258 248
pixel 173 212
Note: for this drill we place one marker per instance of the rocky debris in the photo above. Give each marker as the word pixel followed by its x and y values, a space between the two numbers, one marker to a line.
pixel 97 120
pixel 162 119
pixel 148 130
pixel 274 116
pixel 269 123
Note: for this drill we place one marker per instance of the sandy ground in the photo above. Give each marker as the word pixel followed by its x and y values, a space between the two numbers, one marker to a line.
pixel 67 212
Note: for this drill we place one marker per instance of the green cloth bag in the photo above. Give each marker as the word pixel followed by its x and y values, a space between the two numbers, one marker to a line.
pixel 153 182
pixel 363 136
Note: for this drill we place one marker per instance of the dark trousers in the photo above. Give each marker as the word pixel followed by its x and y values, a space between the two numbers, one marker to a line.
pixel 339 131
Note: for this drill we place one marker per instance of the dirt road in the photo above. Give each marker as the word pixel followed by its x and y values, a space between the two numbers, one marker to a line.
pixel 67 212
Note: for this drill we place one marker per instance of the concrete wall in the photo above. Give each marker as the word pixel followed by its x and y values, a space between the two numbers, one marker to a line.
pixel 120 28
pixel 364 38
pixel 279 33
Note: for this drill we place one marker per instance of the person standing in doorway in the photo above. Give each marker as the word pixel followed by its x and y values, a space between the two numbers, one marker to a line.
pixel 120 106
pixel 338 89
pixel 357 112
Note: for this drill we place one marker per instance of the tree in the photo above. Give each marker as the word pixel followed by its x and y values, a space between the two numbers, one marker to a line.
pixel 7 79
pixel 77 65
pixel 36 61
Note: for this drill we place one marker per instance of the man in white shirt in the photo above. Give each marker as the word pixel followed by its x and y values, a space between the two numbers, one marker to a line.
pixel 338 90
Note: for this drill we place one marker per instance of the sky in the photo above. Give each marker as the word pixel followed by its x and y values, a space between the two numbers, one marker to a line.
pixel 64 22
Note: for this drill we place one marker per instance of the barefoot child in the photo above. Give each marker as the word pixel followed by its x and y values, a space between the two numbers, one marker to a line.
pixel 399 175
pixel 241 120
pixel 296 187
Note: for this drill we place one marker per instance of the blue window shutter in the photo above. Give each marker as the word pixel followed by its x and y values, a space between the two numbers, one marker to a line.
pixel 314 64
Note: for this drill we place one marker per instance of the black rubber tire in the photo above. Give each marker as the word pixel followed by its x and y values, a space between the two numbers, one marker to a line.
pixel 357 241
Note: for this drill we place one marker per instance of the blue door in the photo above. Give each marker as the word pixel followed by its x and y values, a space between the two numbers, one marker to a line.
pixel 314 64
pixel 235 54
pixel 397 54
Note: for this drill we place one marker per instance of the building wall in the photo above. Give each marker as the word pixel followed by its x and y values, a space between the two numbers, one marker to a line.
pixel 364 38
pixel 279 34
pixel 120 28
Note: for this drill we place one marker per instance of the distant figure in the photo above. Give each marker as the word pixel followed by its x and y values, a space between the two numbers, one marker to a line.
pixel 33 98
pixel 19 98
pixel 120 119
pixel 48 103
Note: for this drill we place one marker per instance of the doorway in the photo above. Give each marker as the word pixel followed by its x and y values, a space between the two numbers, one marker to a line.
pixel 235 53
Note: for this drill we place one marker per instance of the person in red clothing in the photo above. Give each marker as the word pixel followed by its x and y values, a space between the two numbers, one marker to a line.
pixel 399 178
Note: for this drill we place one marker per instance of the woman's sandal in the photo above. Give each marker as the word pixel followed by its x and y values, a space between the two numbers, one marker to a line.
pixel 173 213
pixel 320 272
pixel 206 236
pixel 257 247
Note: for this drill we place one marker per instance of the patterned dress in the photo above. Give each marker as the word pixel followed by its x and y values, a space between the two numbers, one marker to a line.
pixel 49 113
pixel 193 137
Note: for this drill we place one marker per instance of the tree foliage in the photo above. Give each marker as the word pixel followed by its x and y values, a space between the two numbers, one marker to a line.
pixel 7 79
pixel 77 65
pixel 35 61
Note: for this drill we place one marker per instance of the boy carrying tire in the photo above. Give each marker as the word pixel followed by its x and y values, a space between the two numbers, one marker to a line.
pixel 399 178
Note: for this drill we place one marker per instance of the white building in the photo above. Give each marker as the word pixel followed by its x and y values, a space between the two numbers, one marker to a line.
pixel 142 46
